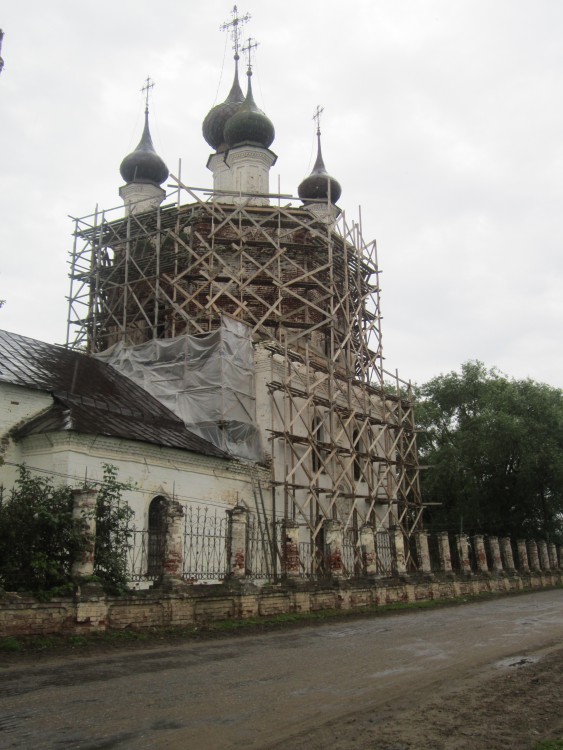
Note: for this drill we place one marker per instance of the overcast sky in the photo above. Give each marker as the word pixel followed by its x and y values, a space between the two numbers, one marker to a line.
pixel 443 120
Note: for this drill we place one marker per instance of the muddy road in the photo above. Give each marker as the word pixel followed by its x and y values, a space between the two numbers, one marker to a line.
pixel 481 675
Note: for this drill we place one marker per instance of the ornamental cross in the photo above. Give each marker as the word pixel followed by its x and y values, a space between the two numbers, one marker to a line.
pixel 234 27
pixel 317 116
pixel 250 45
pixel 149 84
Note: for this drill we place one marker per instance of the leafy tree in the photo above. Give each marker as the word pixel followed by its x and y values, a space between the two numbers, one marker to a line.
pixel 40 539
pixel 494 448
pixel 113 516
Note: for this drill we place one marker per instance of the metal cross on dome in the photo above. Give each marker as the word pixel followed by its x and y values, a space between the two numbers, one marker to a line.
pixel 317 116
pixel 149 84
pixel 250 45
pixel 234 27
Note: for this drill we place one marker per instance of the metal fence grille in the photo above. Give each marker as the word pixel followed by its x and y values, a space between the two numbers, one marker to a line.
pixel 138 556
pixel 205 544
pixel 384 553
pixel 263 554
pixel 206 549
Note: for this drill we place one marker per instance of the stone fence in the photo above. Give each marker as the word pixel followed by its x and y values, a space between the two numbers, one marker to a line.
pixel 199 604
pixel 200 546
pixel 261 569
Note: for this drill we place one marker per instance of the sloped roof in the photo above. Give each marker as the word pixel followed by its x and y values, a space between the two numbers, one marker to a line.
pixel 91 397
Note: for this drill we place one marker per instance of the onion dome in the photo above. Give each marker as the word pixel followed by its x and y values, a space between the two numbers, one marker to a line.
pixel 214 123
pixel 319 185
pixel 249 124
pixel 144 164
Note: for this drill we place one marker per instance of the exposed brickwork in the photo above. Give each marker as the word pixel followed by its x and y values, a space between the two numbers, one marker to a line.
pixel 20 615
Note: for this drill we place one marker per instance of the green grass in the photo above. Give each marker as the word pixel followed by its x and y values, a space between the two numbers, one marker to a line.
pixel 10 644
pixel 549 745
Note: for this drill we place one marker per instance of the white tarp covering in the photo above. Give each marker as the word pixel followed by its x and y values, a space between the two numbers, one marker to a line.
pixel 207 381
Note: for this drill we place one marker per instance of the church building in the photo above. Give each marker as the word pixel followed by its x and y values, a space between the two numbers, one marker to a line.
pixel 224 353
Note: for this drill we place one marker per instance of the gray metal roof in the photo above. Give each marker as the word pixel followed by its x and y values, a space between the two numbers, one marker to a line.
pixel 91 397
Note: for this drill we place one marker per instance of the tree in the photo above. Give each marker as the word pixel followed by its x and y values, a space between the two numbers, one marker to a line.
pixel 494 450
pixel 40 539
pixel 113 516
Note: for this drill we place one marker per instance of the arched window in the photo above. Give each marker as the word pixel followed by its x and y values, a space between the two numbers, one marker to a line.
pixel 156 536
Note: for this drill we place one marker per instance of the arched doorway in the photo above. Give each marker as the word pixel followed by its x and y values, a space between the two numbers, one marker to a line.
pixel 157 533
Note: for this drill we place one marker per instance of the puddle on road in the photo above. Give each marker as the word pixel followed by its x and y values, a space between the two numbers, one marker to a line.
pixel 516 661
pixel 393 672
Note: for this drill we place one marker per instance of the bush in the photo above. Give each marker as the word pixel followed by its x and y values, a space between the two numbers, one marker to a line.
pixel 40 539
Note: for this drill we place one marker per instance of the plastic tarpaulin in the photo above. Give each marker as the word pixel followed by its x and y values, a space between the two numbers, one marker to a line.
pixel 207 381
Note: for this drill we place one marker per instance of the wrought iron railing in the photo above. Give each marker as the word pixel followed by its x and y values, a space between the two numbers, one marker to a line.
pixel 205 544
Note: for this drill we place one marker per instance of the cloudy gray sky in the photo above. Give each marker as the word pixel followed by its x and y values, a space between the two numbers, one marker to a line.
pixel 443 121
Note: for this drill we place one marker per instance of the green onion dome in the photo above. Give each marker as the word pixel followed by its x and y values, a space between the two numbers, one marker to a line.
pixel 144 164
pixel 215 120
pixel 319 185
pixel 249 124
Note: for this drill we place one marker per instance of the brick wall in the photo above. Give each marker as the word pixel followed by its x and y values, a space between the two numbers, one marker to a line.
pixel 23 615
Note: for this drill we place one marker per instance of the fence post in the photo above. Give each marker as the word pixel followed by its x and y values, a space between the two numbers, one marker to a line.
pixel 444 551
pixel 552 549
pixel 422 551
pixel 173 552
pixel 84 510
pixel 463 553
pixel 496 559
pixel 480 553
pixel 544 555
pixel 523 561
pixel 333 548
pixel 290 548
pixel 533 556
pixel 398 549
pixel 238 524
pixel 369 555
pixel 508 557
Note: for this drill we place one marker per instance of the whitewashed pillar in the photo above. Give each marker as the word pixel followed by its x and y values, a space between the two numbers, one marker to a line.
pixel 480 553
pixel 84 510
pixel 463 554
pixel 552 550
pixel 544 555
pixel 508 557
pixel 290 548
pixel 238 523
pixel 523 560
pixel 533 556
pixel 333 548
pixel 398 547
pixel 444 551
pixel 369 555
pixel 422 551
pixel 496 559
pixel 173 553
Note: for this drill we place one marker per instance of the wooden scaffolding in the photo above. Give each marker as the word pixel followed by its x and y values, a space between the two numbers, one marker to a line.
pixel 342 441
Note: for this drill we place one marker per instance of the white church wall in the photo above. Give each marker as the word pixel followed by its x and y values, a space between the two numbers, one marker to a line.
pixel 151 470
pixel 16 405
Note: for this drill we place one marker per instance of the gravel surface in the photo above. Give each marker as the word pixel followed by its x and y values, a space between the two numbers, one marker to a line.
pixel 480 675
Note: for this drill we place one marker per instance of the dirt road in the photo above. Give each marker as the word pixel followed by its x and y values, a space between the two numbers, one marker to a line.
pixel 482 675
